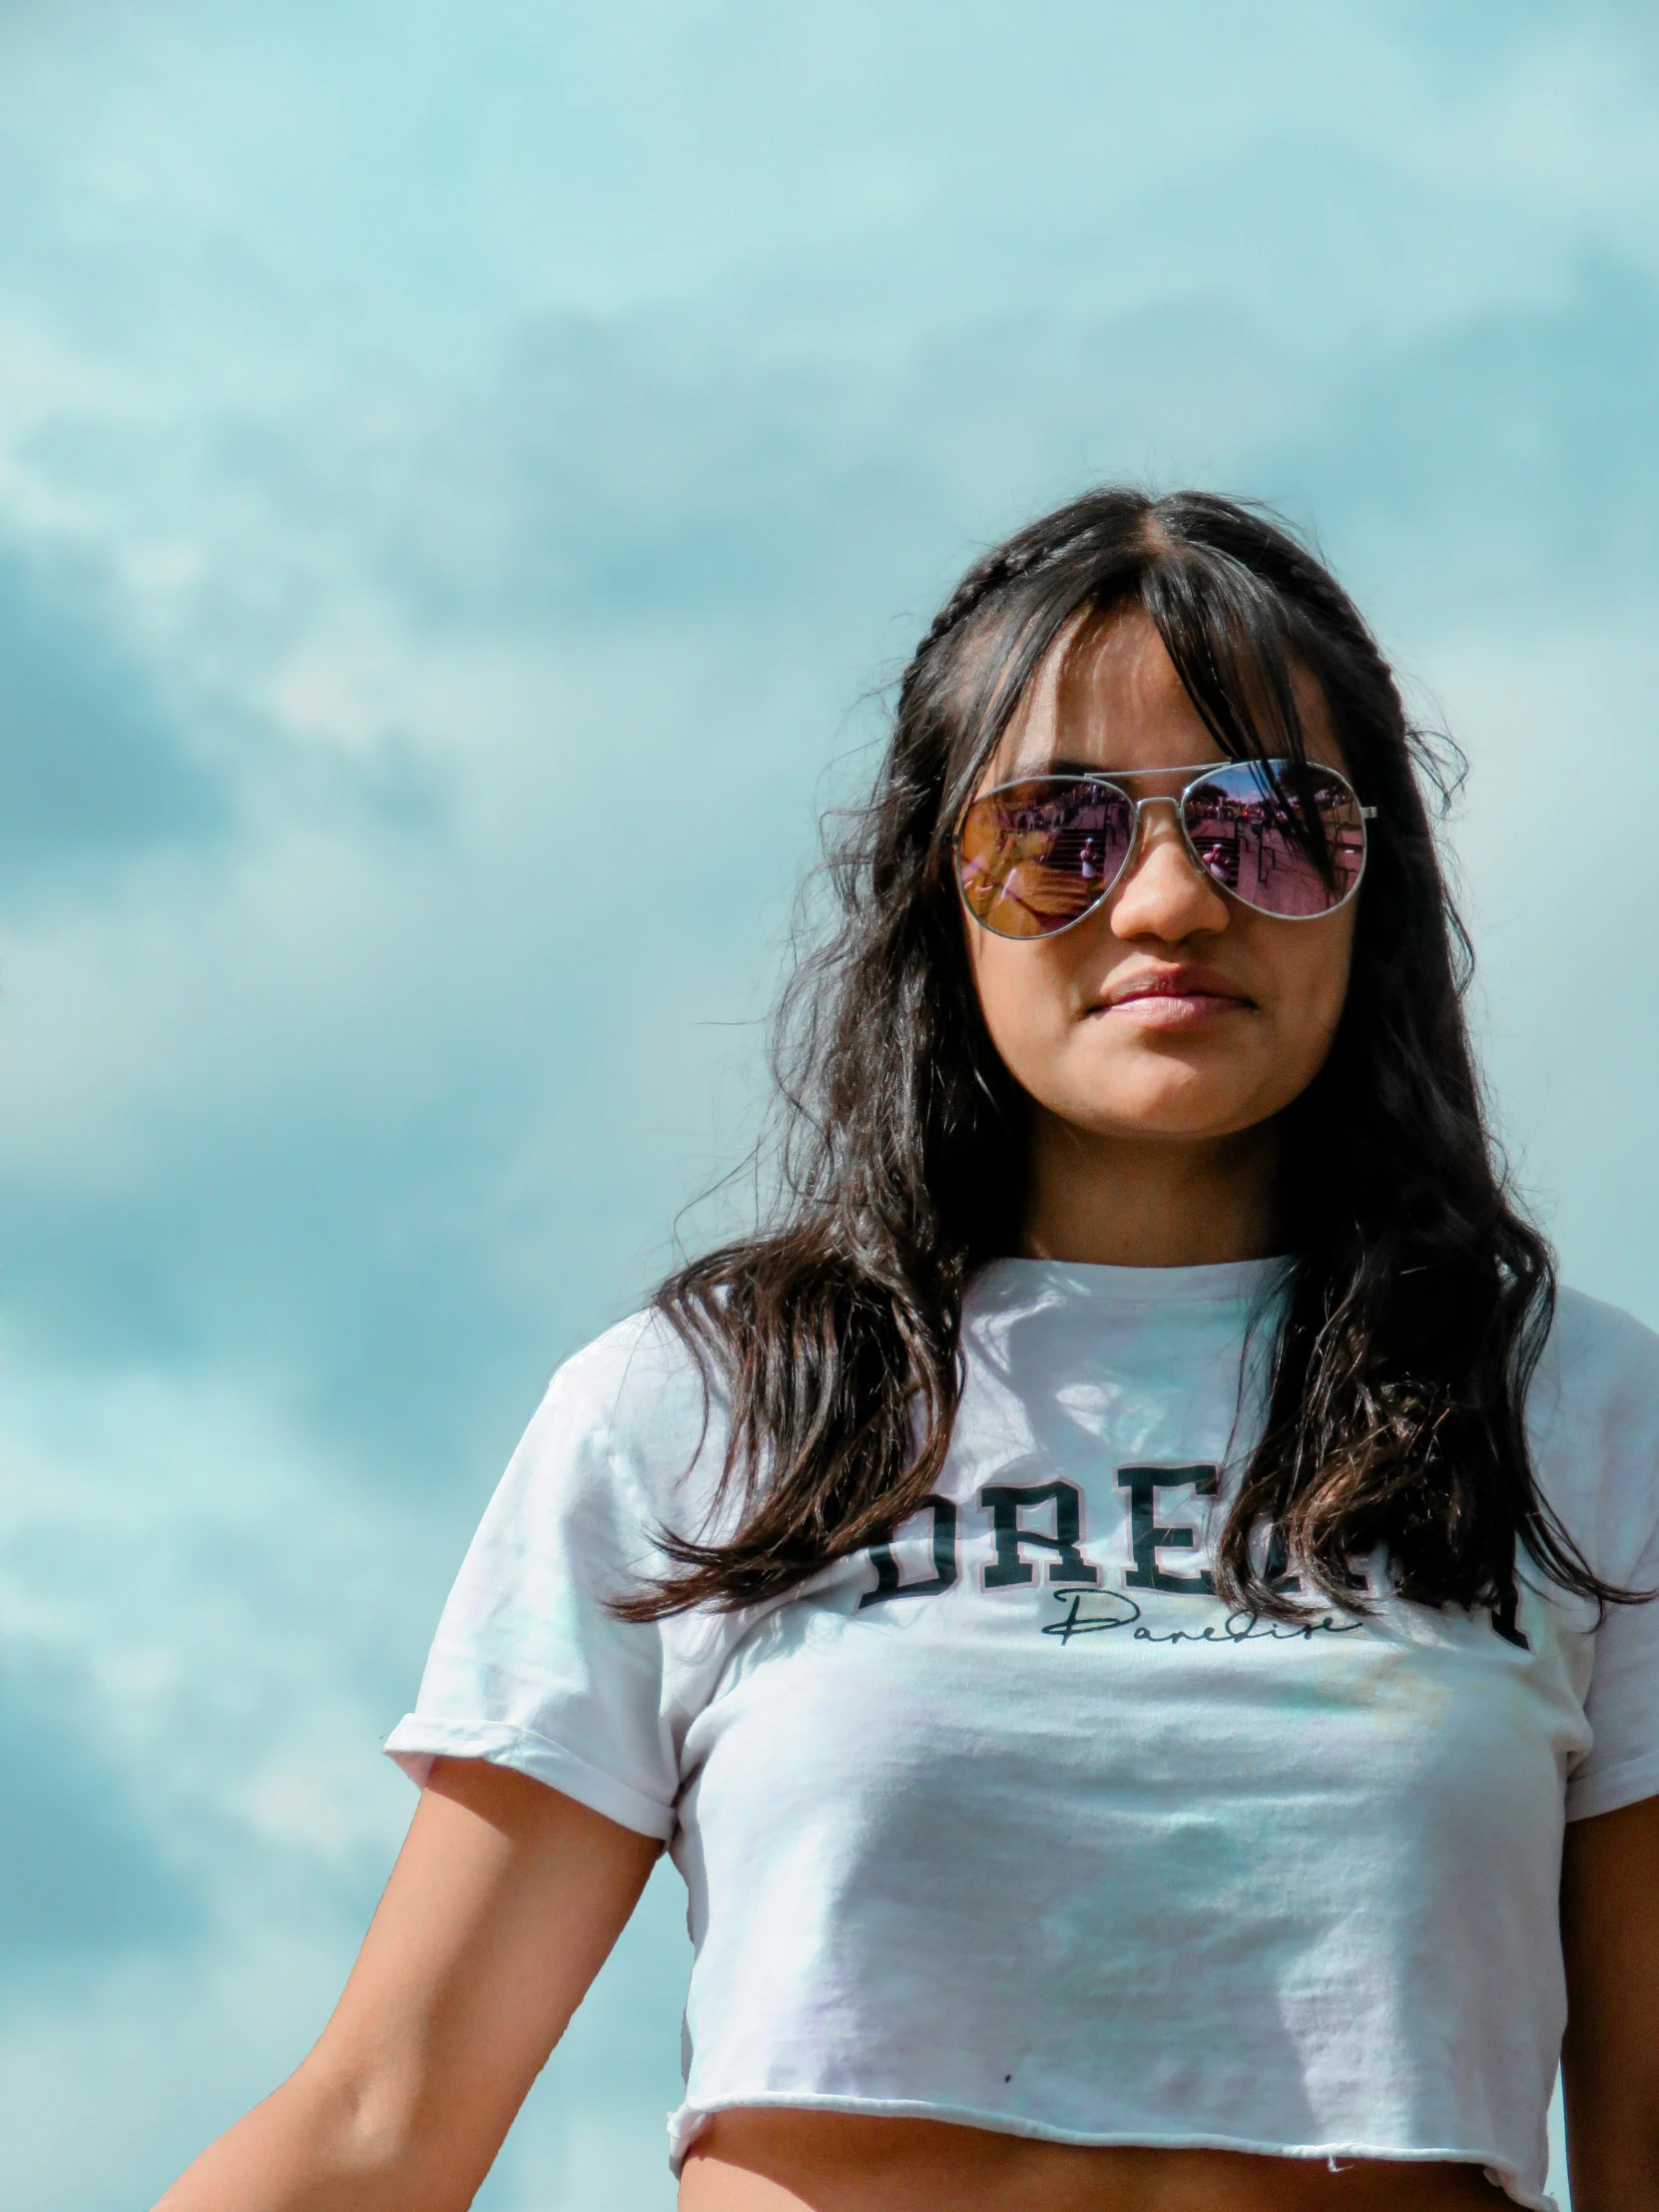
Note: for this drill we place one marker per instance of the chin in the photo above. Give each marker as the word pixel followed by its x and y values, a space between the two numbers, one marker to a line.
pixel 1194 1111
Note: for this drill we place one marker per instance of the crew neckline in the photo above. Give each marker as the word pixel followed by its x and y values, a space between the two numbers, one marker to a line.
pixel 1220 1283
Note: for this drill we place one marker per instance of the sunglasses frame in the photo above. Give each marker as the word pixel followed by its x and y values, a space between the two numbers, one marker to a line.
pixel 1198 773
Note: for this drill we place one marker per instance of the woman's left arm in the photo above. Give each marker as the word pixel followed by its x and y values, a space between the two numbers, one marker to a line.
pixel 1610 2055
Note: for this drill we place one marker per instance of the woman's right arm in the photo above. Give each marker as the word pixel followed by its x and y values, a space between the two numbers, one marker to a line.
pixel 503 1905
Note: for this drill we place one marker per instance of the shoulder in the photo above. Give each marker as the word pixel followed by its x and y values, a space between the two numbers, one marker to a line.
pixel 1593 1414
pixel 638 1404
pixel 1601 1365
pixel 640 1374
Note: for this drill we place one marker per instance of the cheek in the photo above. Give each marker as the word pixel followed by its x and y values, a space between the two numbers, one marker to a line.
pixel 1310 975
pixel 1025 996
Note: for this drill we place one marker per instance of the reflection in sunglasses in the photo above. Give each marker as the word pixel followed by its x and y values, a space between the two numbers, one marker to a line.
pixel 1037 856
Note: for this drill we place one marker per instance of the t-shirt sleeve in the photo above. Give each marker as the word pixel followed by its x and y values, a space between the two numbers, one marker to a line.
pixel 1600 1468
pixel 529 1668
pixel 1622 1704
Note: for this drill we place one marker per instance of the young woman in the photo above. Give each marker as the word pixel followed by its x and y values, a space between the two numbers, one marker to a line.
pixel 1124 1601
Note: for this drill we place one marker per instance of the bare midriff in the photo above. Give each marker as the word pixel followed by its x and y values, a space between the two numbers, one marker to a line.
pixel 778 2160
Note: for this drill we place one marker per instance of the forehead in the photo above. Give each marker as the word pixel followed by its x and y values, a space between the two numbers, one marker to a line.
pixel 1107 695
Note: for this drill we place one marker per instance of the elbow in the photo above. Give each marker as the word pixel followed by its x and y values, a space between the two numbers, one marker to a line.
pixel 377 2151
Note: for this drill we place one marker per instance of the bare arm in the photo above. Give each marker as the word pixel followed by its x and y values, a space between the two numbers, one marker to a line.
pixel 503 1905
pixel 1610 2057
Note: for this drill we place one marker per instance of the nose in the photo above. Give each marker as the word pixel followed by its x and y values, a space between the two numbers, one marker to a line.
pixel 1164 894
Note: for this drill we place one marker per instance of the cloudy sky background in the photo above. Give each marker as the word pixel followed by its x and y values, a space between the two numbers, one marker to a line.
pixel 462 474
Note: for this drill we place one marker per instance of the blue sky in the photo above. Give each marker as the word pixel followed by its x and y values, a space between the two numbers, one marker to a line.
pixel 436 442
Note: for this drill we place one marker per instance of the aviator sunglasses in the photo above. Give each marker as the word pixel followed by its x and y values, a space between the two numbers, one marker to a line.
pixel 1037 856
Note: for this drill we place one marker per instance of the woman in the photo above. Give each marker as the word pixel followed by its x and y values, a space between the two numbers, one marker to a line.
pixel 1118 1599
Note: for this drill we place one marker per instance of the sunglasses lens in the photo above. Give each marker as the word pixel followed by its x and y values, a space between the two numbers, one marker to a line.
pixel 1035 857
pixel 1258 827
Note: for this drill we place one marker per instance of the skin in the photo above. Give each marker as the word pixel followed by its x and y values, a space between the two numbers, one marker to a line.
pixel 1153 1144
pixel 1154 1141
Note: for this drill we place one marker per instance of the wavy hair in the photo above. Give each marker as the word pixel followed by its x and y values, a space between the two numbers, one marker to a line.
pixel 1420 1296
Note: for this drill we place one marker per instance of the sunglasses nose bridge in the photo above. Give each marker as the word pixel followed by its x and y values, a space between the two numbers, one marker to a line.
pixel 1180 837
pixel 1137 833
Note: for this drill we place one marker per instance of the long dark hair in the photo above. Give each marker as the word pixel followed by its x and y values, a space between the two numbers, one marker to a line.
pixel 1421 1296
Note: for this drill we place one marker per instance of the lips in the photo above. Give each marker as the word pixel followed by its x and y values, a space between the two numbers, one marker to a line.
pixel 1175 998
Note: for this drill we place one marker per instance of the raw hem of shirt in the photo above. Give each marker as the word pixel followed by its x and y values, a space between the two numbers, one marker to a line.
pixel 417 1741
pixel 1626 1784
pixel 686 2124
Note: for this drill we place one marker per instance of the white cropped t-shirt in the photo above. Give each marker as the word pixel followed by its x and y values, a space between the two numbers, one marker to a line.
pixel 1008 1822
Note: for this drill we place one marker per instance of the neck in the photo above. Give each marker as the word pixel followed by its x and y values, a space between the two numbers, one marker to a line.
pixel 1136 1202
